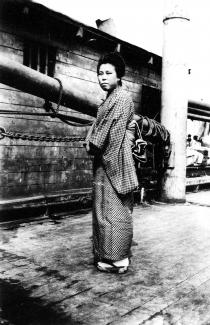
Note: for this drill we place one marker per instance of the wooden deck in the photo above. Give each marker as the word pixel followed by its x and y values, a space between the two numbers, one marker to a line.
pixel 47 276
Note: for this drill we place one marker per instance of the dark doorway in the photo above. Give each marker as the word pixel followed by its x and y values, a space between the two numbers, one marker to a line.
pixel 150 102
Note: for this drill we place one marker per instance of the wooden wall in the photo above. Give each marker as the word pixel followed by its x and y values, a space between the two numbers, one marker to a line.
pixel 32 168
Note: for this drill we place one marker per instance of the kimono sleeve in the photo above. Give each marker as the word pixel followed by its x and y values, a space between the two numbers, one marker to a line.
pixel 110 129
pixel 117 158
pixel 123 113
pixel 99 136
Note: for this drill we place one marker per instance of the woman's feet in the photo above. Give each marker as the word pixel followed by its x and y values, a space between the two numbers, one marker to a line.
pixel 118 267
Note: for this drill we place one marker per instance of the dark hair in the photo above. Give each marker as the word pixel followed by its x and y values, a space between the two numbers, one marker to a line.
pixel 116 60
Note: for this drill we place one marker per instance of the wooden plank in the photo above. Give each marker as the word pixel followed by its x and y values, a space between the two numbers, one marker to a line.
pixel 35 149
pixel 132 86
pixel 144 80
pixel 71 58
pixel 23 192
pixel 76 72
pixel 46 185
pixel 19 191
pixel 40 183
pixel 33 109
pixel 20 98
pixel 12 54
pixel 25 123
pixel 11 41
pixel 44 177
pixel 44 150
pixel 94 52
pixel 38 125
pixel 56 179
pixel 45 164
pixel 61 196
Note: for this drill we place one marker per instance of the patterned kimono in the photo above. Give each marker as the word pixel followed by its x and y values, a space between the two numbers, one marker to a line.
pixel 114 178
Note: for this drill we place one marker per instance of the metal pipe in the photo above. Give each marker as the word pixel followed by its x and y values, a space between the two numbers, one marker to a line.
pixel 17 75
pixel 198 111
pixel 199 117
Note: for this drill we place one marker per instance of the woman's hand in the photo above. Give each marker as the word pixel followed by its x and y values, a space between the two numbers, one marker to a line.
pixel 90 148
pixel 87 146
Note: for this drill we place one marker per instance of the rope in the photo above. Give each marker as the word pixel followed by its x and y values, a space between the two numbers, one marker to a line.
pixel 156 131
pixel 61 116
pixel 60 94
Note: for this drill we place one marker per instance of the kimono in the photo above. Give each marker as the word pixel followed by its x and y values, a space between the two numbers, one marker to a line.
pixel 114 178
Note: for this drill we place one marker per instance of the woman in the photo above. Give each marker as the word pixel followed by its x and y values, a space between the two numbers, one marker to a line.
pixel 113 170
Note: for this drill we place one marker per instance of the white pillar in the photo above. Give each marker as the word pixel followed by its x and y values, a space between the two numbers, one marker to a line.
pixel 175 97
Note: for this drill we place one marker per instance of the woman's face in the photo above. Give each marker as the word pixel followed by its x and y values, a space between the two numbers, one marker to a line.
pixel 107 77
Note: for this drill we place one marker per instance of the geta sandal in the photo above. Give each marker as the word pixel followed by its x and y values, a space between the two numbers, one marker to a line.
pixel 111 268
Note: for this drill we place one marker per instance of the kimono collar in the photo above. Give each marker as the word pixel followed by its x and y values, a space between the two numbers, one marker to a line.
pixel 107 106
pixel 114 91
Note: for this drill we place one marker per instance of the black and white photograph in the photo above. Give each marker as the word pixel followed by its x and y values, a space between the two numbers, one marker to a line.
pixel 104 162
